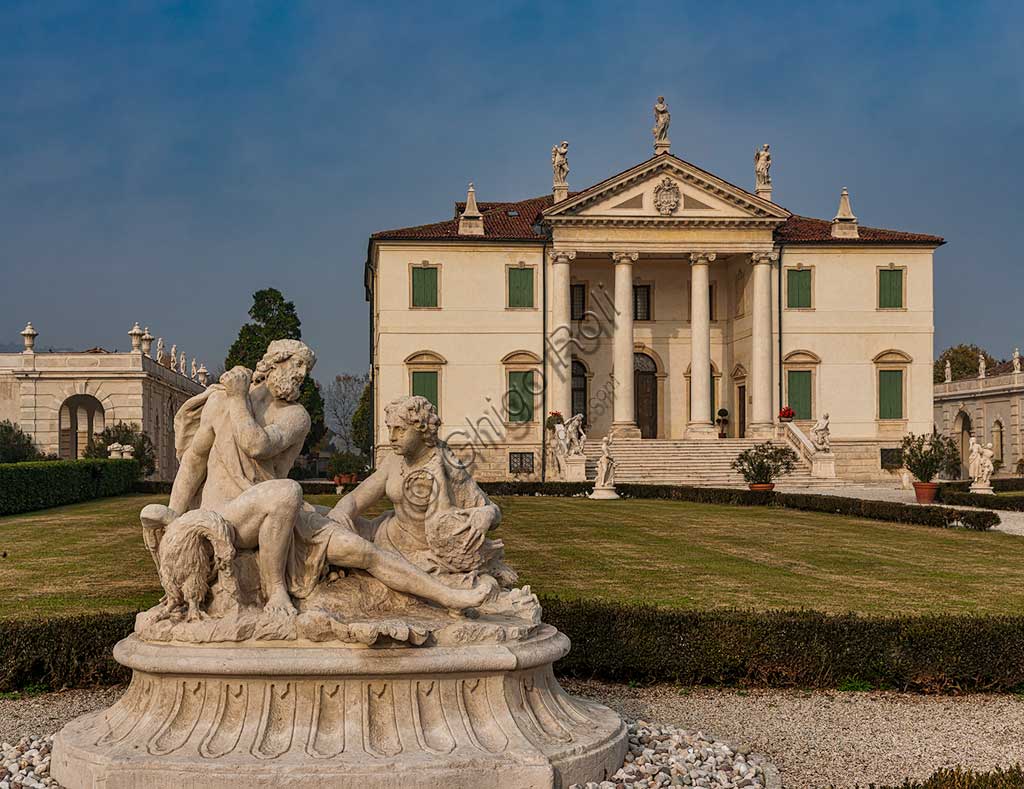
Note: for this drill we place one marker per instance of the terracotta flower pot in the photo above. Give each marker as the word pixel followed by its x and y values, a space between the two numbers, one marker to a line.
pixel 925 492
pixel 761 487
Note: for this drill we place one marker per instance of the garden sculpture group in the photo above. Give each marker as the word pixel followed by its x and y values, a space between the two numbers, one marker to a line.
pixel 569 444
pixel 324 647
pixel 980 466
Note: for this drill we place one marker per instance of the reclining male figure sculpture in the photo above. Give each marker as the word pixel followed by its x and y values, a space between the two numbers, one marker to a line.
pixel 236 443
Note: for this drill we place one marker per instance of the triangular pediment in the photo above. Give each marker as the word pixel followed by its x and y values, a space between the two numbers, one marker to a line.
pixel 666 189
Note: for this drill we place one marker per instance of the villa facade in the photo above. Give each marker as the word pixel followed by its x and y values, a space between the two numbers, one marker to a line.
pixel 651 302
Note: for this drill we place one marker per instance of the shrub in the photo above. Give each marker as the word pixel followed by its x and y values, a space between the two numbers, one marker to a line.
pixel 34 486
pixel 16 445
pixel 638 643
pixel 927 455
pixel 762 463
pixel 125 434
pixel 346 463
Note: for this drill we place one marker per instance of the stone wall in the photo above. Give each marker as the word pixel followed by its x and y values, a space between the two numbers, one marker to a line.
pixel 860 460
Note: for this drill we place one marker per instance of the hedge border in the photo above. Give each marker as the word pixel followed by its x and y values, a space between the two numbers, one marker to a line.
pixel 638 643
pixel 38 485
pixel 986 501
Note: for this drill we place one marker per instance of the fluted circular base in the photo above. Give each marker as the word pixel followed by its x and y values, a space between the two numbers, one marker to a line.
pixel 271 716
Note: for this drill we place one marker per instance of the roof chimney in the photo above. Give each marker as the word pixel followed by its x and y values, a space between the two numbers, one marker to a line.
pixel 471 223
pixel 844 225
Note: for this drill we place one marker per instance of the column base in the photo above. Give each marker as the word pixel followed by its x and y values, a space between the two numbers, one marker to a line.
pixel 701 431
pixel 624 430
pixel 763 431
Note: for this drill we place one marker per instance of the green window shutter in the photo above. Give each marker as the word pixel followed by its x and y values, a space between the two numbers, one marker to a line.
pixel 520 396
pixel 424 287
pixel 520 287
pixel 890 288
pixel 798 383
pixel 890 394
pixel 424 383
pixel 798 289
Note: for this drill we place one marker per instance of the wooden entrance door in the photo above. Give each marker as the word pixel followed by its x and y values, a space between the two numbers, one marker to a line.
pixel 741 411
pixel 645 395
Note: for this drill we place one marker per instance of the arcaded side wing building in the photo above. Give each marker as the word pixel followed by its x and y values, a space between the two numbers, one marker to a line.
pixel 679 313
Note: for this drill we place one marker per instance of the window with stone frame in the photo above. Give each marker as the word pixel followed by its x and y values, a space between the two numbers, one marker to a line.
pixel 641 302
pixel 578 300
pixel 520 287
pixel 890 394
pixel 890 288
pixel 520 462
pixel 579 391
pixel 424 284
pixel 521 395
pixel 798 289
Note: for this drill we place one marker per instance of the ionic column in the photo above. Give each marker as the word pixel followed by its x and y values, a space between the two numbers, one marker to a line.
pixel 560 345
pixel 700 425
pixel 761 417
pixel 624 413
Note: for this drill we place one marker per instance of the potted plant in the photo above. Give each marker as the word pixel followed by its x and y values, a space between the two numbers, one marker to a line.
pixel 925 456
pixel 762 463
pixel 554 418
pixel 786 414
pixel 345 467
pixel 722 421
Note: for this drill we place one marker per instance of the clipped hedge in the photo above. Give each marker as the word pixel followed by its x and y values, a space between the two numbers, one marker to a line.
pixel 635 643
pixel 1011 503
pixel 34 486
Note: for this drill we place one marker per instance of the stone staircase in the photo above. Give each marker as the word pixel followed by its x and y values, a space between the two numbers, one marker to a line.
pixel 679 462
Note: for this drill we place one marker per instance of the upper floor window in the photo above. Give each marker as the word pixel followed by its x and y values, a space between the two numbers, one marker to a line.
pixel 578 301
pixel 641 302
pixel 520 287
pixel 890 288
pixel 798 288
pixel 424 286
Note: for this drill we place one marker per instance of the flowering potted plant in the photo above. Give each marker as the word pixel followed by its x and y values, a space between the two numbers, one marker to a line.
pixel 722 421
pixel 762 463
pixel 786 414
pixel 346 467
pixel 926 456
pixel 554 418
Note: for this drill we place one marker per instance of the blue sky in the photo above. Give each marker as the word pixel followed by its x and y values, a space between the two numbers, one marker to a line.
pixel 161 161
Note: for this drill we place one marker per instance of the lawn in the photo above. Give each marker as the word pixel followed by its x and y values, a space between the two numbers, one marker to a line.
pixel 90 557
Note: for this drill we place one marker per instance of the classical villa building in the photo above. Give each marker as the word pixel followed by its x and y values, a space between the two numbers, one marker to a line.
pixel 63 398
pixel 649 302
pixel 989 406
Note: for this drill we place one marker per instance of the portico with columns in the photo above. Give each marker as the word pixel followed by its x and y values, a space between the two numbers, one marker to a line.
pixel 665 304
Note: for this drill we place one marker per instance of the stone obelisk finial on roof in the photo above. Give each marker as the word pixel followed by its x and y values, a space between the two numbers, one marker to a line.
pixel 471 221
pixel 844 225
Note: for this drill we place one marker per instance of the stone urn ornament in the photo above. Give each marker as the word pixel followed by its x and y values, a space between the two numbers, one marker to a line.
pixel 302 645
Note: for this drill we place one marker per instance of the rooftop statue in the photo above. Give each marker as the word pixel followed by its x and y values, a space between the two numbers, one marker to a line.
pixel 762 166
pixel 560 163
pixel 662 119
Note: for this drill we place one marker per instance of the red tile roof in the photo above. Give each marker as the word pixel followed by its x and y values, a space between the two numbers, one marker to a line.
pixel 805 230
pixel 501 225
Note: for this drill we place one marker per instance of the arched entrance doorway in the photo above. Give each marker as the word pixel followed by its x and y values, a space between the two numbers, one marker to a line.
pixel 962 429
pixel 645 394
pixel 81 417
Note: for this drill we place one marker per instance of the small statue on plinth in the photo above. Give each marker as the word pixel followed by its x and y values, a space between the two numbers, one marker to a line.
pixel 662 120
pixel 604 483
pixel 762 167
pixel 821 434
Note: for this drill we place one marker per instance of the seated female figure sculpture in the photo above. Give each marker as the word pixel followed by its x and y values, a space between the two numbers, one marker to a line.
pixel 236 443
pixel 441 518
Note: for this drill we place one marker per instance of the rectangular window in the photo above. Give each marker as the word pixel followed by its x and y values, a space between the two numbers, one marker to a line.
pixel 798 383
pixel 891 457
pixel 798 289
pixel 712 292
pixel 890 289
pixel 890 394
pixel 578 301
pixel 424 287
pixel 641 302
pixel 520 287
pixel 520 396
pixel 520 462
pixel 424 384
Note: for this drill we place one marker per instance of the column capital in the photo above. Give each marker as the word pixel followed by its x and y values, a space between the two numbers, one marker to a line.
pixel 625 258
pixel 702 258
pixel 562 255
pixel 766 256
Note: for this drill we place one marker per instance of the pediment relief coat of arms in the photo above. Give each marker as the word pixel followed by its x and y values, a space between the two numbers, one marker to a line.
pixel 667 197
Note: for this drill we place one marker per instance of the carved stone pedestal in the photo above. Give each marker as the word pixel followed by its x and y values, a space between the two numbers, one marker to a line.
pixel 288 713
pixel 576 468
pixel 984 488
pixel 605 493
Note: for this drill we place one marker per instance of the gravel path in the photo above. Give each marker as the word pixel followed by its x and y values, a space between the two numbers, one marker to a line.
pixel 816 739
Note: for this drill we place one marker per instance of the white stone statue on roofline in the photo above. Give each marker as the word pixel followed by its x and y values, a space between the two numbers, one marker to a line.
pixel 560 163
pixel 948 371
pixel 161 353
pixel 172 362
pixel 255 660
pixel 821 434
pixel 763 166
pixel 662 120
pixel 1016 360
pixel 981 365
pixel 182 364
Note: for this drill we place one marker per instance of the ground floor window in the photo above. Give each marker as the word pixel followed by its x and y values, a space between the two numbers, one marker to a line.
pixel 798 393
pixel 520 396
pixel 520 462
pixel 890 394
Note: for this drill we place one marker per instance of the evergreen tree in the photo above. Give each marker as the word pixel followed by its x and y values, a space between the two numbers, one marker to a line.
pixel 273 318
pixel 963 360
pixel 15 444
pixel 362 423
